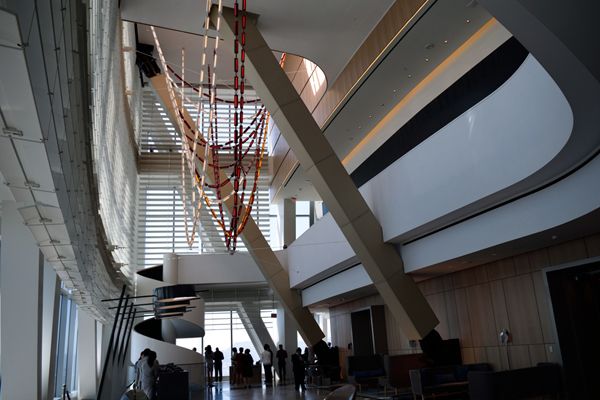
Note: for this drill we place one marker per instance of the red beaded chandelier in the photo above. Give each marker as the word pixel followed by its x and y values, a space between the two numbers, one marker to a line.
pixel 233 166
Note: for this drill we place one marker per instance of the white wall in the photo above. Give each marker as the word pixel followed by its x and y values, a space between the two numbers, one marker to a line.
pixel 21 284
pixel 572 197
pixel 506 137
pixel 346 281
pixel 319 249
pixel 218 268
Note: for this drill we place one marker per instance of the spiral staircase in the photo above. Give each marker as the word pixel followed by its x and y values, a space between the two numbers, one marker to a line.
pixel 160 334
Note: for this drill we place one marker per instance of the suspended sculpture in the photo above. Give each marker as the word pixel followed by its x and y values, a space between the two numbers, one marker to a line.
pixel 233 166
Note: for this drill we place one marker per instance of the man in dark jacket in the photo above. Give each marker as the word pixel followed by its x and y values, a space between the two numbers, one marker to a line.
pixel 218 360
pixel 299 369
pixel 281 355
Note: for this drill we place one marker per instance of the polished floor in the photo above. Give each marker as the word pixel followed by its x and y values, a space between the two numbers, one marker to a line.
pixel 223 391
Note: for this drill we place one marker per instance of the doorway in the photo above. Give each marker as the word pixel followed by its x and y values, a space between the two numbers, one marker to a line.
pixel 575 296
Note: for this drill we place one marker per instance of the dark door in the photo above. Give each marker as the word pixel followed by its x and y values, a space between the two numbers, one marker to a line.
pixel 362 333
pixel 575 294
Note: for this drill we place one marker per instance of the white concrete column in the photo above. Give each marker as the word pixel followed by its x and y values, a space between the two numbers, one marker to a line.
pixel 21 285
pixel 288 337
pixel 86 356
pixel 170 268
pixel 288 331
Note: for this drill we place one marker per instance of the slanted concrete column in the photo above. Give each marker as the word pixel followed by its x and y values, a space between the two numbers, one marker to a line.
pixel 259 335
pixel 86 356
pixel 21 285
pixel 331 180
pixel 258 247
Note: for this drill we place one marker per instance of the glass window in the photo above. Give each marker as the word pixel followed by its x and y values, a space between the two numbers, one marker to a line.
pixel 302 225
pixel 302 208
pixel 66 350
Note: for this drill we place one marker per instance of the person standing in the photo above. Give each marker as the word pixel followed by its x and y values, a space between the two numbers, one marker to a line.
pixel 218 360
pixel 234 368
pixel 149 373
pixel 281 355
pixel 208 356
pixel 266 358
pixel 248 361
pixel 298 369
pixel 239 366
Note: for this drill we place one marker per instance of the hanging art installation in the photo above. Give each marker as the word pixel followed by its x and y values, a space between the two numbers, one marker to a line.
pixel 228 169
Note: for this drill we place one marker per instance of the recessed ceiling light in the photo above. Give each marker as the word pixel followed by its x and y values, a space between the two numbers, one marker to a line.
pixel 370 116
pixel 409 75
pixel 445 42
pixel 394 90
pixel 468 21
pixel 426 59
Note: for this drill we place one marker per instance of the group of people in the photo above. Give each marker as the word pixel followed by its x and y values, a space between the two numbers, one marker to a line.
pixel 242 364
pixel 146 372
pixel 214 362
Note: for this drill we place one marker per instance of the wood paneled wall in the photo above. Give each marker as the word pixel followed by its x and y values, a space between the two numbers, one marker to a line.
pixel 475 304
pixel 392 23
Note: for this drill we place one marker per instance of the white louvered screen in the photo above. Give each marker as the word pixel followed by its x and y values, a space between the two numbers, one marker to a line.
pixel 113 148
pixel 160 214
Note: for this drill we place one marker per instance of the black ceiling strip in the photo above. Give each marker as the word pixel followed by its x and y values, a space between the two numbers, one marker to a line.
pixel 470 89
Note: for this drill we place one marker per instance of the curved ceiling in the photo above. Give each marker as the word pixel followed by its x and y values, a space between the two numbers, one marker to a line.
pixel 326 32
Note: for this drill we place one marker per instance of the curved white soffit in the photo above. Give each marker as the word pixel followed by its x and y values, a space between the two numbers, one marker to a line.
pixel 572 197
pixel 505 138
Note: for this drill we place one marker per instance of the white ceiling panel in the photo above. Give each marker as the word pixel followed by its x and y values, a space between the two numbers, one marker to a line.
pixel 16 96
pixel 5 193
pixel 9 29
pixel 59 234
pixel 326 32
pixel 22 194
pixel 44 197
pixel 34 161
pixel 39 233
pixel 9 164
pixel 52 213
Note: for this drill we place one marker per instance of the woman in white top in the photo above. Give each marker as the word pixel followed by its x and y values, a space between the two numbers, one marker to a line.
pixel 148 374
